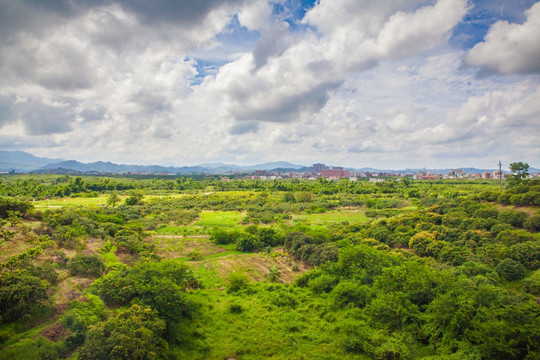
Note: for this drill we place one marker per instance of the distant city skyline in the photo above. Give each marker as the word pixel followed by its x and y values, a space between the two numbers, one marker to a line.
pixel 353 83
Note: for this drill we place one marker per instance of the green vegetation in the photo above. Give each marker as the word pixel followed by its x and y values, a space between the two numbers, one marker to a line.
pixel 128 268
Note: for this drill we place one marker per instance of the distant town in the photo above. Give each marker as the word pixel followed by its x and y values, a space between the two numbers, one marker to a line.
pixel 319 170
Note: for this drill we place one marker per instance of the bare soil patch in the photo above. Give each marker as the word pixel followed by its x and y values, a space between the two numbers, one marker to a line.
pixel 55 332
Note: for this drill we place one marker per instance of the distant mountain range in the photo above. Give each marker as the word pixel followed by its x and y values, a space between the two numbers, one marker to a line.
pixel 21 161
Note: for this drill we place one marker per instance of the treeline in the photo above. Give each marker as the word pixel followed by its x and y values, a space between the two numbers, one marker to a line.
pixel 47 186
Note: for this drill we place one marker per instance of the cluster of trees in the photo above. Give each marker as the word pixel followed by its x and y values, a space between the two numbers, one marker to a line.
pixel 402 301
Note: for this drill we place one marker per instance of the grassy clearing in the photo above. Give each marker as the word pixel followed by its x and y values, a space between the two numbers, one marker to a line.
pixel 78 201
pixel 333 217
pixel 214 219
pixel 173 247
pixel 93 201
pixel 264 321
pixel 180 230
pixel 17 243
pixel 255 266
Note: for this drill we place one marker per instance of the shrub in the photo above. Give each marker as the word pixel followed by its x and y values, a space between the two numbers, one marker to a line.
pixel 273 274
pixel 247 243
pixel 532 223
pixel 527 254
pixel 514 218
pixel 268 236
pixel 86 265
pixel 510 270
pixel 235 308
pixel 351 293
pixel 132 334
pixel 511 237
pixel 323 283
pixel 20 292
pixel 195 255
pixel 237 281
pixel 420 242
pixel 161 285
pixel 222 237
pixel 9 205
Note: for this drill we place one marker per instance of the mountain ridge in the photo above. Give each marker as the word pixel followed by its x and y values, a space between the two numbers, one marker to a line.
pixel 21 161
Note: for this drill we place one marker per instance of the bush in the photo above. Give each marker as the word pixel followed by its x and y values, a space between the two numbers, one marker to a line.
pixel 527 254
pixel 160 285
pixel 132 241
pixel 532 223
pixel 512 237
pixel 132 334
pixel 323 283
pixel 510 270
pixel 247 243
pixel 79 316
pixel 237 281
pixel 268 236
pixel 351 293
pixel 420 242
pixel 222 237
pixel 235 308
pixel 86 265
pixel 9 205
pixel 514 218
pixel 20 293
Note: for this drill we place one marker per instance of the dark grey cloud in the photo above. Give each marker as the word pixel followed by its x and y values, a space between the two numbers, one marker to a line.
pixel 290 107
pixel 6 102
pixel 43 119
pixel 93 113
pixel 57 66
pixel 174 12
pixel 39 14
pixel 272 42
pixel 241 128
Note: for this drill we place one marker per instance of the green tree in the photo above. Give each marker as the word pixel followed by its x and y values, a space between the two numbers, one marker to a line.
pixel 160 285
pixel 135 198
pixel 134 334
pixel 510 270
pixel 520 171
pixel 20 292
pixel 113 199
pixel 86 265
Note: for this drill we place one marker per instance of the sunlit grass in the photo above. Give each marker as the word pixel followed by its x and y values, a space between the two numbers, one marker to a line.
pixel 219 219
pixel 337 217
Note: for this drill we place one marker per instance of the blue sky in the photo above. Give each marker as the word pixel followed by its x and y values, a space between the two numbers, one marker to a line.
pixel 387 84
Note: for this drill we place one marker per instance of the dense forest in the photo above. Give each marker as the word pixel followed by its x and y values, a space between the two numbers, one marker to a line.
pixel 198 268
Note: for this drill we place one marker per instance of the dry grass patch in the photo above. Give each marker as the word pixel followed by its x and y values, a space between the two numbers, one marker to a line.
pixel 69 287
pixel 175 247
pixel 256 265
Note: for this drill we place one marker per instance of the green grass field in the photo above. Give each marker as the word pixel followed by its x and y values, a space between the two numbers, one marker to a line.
pixel 93 201
pixel 336 217
pixel 219 218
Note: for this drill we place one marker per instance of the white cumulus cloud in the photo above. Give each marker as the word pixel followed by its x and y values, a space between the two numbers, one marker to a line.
pixel 510 48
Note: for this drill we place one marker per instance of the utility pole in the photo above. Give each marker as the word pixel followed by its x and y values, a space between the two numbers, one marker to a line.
pixel 500 176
